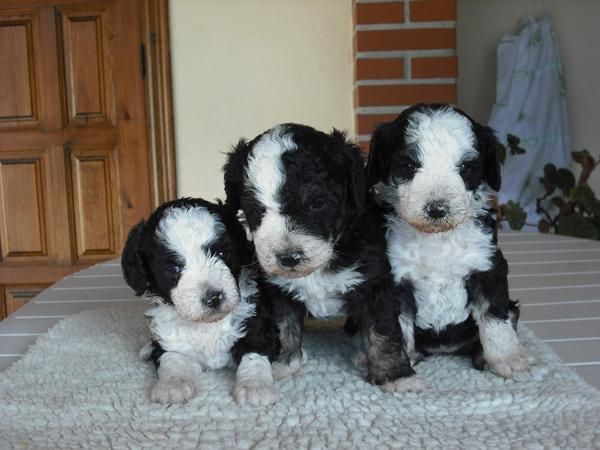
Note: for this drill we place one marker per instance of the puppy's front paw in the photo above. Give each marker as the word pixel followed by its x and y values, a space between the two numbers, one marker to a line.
pixel 360 360
pixel 406 384
pixel 146 351
pixel 172 390
pixel 517 363
pixel 415 358
pixel 254 393
pixel 254 381
pixel 282 370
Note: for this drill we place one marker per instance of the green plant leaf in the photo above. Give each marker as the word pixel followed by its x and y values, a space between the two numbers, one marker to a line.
pixel 557 201
pixel 549 169
pixel 544 226
pixel 584 195
pixel 565 181
pixel 578 226
pixel 581 156
pixel 515 215
pixel 550 178
pixel 596 222
pixel 513 144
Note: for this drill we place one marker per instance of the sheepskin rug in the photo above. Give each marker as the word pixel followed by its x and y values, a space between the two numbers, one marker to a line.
pixel 83 385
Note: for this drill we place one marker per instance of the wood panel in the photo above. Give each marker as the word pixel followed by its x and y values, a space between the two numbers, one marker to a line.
pixel 16 296
pixel 160 104
pixel 95 206
pixel 87 71
pixel 2 305
pixel 132 115
pixel 36 273
pixel 82 131
pixel 18 85
pixel 23 217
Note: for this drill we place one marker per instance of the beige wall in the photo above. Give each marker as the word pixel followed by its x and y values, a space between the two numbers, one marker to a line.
pixel 481 24
pixel 240 66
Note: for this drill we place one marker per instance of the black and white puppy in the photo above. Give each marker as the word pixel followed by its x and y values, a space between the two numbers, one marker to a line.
pixel 319 239
pixel 189 259
pixel 438 167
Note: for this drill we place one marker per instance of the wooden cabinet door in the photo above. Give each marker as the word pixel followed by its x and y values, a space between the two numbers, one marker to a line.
pixel 74 171
pixel 16 296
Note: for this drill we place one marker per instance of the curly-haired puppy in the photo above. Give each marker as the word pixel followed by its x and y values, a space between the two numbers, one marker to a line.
pixel 189 258
pixel 319 239
pixel 437 166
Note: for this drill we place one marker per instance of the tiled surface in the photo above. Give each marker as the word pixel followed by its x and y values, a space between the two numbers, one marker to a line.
pixel 556 279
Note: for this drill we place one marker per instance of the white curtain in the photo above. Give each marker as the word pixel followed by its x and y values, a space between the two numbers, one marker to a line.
pixel 531 104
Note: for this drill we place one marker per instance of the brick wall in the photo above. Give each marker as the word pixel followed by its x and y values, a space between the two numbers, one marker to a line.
pixel 404 53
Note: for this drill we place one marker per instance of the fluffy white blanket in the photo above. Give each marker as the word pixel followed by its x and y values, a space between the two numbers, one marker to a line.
pixel 82 385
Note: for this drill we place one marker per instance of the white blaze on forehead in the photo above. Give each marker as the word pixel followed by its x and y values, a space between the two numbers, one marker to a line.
pixel 441 138
pixel 265 169
pixel 265 176
pixel 186 231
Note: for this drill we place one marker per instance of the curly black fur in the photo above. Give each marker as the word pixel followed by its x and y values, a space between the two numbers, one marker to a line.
pixel 324 193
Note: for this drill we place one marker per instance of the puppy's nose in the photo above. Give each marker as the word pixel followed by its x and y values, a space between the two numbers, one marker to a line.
pixel 437 209
pixel 290 259
pixel 213 299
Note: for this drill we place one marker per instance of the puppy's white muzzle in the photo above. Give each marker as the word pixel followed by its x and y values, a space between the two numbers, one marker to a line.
pixel 284 250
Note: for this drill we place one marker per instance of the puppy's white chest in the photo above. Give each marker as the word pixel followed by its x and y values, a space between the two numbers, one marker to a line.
pixel 322 291
pixel 207 344
pixel 437 265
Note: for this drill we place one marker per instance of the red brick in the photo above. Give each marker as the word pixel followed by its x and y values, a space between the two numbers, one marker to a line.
pixel 366 123
pixel 432 10
pixel 439 67
pixel 405 94
pixel 364 146
pixel 417 39
pixel 370 13
pixel 379 68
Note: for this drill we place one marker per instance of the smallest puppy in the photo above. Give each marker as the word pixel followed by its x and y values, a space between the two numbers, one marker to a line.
pixel 189 259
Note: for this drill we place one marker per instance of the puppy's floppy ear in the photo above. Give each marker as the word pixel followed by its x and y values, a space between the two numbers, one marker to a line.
pixel 132 263
pixel 233 171
pixel 383 141
pixel 488 145
pixel 380 152
pixel 238 232
pixel 354 168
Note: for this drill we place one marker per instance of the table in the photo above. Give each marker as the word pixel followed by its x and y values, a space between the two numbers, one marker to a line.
pixel 556 279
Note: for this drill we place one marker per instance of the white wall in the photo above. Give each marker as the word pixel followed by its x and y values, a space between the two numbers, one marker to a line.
pixel 480 26
pixel 241 66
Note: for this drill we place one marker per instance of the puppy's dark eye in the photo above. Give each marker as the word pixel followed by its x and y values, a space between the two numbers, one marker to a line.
pixel 174 269
pixel 222 253
pixel 407 166
pixel 466 166
pixel 317 204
